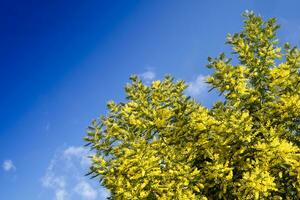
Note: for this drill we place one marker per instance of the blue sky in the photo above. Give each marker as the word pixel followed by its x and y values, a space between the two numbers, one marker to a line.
pixel 61 61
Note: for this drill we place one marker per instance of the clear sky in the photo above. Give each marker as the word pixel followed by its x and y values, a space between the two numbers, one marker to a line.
pixel 61 61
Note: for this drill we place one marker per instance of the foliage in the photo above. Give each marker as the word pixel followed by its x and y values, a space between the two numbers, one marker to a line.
pixel 161 144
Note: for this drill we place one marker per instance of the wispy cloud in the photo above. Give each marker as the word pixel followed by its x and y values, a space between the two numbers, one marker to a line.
pixel 8 165
pixel 85 190
pixel 198 86
pixel 65 176
pixel 148 75
pixel 79 153
pixel 56 182
pixel 61 194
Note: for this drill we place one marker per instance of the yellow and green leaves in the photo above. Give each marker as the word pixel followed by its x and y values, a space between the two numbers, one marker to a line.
pixel 161 144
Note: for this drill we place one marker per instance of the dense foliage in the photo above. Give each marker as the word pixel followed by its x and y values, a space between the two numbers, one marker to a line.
pixel 161 144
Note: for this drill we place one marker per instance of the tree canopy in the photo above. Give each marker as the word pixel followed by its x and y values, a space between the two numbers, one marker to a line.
pixel 162 144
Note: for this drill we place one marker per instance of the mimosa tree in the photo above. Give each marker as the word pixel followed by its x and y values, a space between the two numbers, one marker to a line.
pixel 162 144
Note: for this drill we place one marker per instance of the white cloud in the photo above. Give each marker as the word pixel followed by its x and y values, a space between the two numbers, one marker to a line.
pixel 55 182
pixel 148 76
pixel 74 151
pixel 61 194
pixel 85 190
pixel 8 165
pixel 79 153
pixel 52 181
pixel 65 176
pixel 197 87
